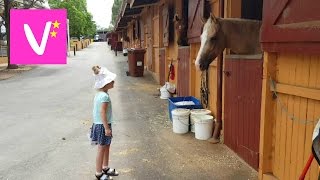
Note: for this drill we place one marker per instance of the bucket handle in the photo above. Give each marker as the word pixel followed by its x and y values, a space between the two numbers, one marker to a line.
pixel 178 118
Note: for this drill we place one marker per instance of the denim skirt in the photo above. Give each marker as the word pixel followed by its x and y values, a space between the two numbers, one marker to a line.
pixel 97 135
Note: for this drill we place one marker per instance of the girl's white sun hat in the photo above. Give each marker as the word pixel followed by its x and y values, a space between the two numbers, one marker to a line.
pixel 103 78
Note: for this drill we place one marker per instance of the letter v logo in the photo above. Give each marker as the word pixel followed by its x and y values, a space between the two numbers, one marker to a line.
pixel 32 40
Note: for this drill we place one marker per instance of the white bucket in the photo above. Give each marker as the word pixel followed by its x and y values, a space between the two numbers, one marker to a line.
pixel 164 94
pixel 180 120
pixel 203 127
pixel 197 112
pixel 125 52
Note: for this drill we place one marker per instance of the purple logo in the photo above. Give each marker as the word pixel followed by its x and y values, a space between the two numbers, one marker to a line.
pixel 38 36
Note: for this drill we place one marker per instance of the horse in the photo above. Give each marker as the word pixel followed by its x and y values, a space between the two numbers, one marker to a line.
pixel 181 30
pixel 240 35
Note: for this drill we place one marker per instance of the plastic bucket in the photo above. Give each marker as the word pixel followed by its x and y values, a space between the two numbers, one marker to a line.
pixel 203 127
pixel 125 52
pixel 197 112
pixel 173 100
pixel 164 93
pixel 180 120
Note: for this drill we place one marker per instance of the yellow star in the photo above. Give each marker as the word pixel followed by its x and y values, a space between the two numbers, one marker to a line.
pixel 53 34
pixel 56 24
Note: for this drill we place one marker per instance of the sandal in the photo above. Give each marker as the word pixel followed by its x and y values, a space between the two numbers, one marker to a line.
pixel 103 177
pixel 110 172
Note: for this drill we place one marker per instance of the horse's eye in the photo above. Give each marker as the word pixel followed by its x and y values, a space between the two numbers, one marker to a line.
pixel 213 38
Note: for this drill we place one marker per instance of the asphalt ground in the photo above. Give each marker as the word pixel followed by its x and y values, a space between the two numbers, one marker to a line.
pixel 46 114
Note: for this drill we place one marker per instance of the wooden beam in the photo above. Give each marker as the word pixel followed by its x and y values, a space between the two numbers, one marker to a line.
pixel 131 3
pixel 297 91
pixel 247 57
pixel 267 124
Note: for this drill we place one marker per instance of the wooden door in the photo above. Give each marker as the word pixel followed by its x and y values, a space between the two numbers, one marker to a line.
pixel 149 43
pixel 183 88
pixel 195 18
pixel 291 26
pixel 156 30
pixel 162 65
pixel 242 103
pixel 165 25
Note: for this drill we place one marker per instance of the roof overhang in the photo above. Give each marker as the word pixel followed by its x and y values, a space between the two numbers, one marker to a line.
pixel 131 9
pixel 132 12
pixel 124 22
pixel 142 3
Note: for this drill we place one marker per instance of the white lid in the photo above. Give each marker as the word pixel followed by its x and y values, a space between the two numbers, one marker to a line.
pixel 180 111
pixel 200 111
pixel 203 118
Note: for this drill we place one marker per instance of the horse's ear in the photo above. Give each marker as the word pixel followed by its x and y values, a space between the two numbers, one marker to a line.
pixel 213 17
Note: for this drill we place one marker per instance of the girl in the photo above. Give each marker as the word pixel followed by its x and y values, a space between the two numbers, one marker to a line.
pixel 101 131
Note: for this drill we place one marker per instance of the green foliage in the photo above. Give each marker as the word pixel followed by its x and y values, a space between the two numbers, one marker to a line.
pixel 54 4
pixel 115 11
pixel 80 20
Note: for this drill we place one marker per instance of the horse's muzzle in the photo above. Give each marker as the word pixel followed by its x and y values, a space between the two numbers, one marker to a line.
pixel 204 66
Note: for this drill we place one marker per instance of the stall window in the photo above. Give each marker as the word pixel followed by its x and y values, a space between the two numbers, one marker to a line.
pixel 251 9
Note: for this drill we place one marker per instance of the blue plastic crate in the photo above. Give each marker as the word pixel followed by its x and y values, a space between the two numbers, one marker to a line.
pixel 172 106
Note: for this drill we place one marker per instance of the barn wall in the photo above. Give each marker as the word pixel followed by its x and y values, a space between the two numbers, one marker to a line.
pixel 145 32
pixel 195 74
pixel 149 42
pixel 232 8
pixel 172 49
pixel 172 56
pixel 285 144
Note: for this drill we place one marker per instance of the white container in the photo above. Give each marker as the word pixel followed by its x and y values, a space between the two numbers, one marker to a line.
pixel 164 93
pixel 125 52
pixel 203 127
pixel 197 112
pixel 180 120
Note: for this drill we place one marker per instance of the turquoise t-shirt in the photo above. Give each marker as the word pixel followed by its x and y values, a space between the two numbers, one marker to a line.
pixel 100 98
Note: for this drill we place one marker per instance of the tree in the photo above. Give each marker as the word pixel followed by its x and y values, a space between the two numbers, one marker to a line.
pixel 80 20
pixel 115 11
pixel 90 26
pixel 7 5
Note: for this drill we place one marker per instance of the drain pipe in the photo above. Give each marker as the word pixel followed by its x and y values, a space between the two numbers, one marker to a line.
pixel 218 124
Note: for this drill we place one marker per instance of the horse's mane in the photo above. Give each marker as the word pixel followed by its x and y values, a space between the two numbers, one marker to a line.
pixel 240 21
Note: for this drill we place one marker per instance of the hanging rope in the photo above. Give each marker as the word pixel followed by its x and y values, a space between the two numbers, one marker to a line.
pixel 204 90
pixel 284 109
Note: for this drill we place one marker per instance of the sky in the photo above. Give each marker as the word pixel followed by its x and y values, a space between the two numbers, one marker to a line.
pixel 101 11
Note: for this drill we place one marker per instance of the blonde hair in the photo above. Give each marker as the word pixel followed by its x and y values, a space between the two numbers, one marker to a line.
pixel 96 69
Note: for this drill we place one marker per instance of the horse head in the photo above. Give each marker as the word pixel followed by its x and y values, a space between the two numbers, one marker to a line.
pixel 212 43
pixel 181 30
